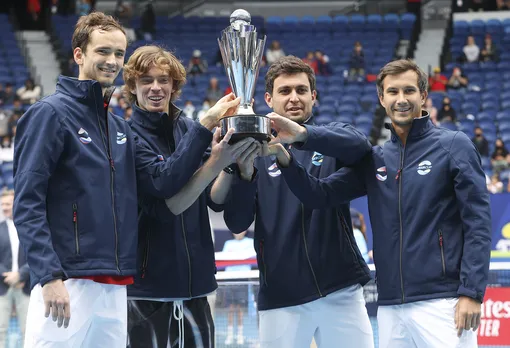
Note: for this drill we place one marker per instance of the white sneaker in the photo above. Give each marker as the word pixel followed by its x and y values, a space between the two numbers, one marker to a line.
pixel 240 339
pixel 229 340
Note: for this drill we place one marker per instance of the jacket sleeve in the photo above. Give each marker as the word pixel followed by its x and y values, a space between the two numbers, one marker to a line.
pixel 336 189
pixel 474 205
pixel 210 203
pixel 240 205
pixel 24 273
pixel 338 140
pixel 163 179
pixel 39 143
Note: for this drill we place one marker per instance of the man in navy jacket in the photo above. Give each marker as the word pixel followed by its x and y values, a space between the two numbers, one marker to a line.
pixel 76 169
pixel 176 267
pixel 429 210
pixel 311 271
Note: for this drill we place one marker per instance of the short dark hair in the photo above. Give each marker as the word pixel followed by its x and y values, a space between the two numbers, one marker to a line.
pixel 398 67
pixel 288 65
pixel 87 24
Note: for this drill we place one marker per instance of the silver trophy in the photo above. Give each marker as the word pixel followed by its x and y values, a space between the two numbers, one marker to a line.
pixel 242 51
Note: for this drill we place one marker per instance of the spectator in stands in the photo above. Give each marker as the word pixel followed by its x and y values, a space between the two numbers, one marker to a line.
pixel 29 93
pixel 471 50
pixel 310 60
pixel 500 159
pixel 2 94
pixel 438 81
pixel 123 12
pixel 237 297
pixel 458 80
pixel 489 52
pixel 9 94
pixel 480 142
pixel 214 93
pixel 15 284
pixel 476 5
pixel 447 113
pixel 274 52
pixel 323 63
pixel 495 185
pixel 504 5
pixel 429 106
pixel 359 228
pixel 357 62
pixel 5 116
pixel 189 110
pixel 148 22
pixel 197 66
pixel 84 7
pixel 206 105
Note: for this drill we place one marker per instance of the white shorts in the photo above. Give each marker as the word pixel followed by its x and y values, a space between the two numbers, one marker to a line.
pixel 422 324
pixel 98 318
pixel 338 317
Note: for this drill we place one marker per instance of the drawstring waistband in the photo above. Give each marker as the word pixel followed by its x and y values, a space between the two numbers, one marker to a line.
pixel 179 316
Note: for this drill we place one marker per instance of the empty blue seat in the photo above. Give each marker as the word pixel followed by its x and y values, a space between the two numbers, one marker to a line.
pixel 340 23
pixel 374 22
pixel 357 23
pixel 477 27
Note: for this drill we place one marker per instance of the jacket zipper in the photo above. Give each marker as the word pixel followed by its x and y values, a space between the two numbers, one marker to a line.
pixel 441 247
pixel 75 224
pixel 187 253
pixel 345 229
pixel 112 179
pixel 399 178
pixel 146 254
pixel 182 221
pixel 261 247
pixel 306 249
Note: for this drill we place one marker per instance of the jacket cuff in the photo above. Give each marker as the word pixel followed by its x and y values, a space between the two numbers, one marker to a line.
pixel 312 135
pixel 55 275
pixel 462 291
pixel 203 133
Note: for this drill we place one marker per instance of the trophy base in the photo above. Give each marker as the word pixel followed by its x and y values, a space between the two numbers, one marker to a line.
pixel 247 126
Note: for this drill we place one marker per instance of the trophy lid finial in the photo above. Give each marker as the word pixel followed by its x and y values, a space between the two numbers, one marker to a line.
pixel 240 17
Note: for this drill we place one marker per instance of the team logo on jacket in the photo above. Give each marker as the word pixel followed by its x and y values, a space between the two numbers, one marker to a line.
pixel 84 136
pixel 381 174
pixel 317 159
pixel 121 138
pixel 424 167
pixel 161 158
pixel 273 170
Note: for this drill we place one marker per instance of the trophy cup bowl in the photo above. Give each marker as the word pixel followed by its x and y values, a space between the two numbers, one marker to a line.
pixel 241 52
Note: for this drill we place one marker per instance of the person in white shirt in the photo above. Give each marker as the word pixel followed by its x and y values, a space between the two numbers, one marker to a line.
pixel 359 230
pixel 237 296
pixel 30 92
pixel 15 284
pixel 471 50
pixel 274 52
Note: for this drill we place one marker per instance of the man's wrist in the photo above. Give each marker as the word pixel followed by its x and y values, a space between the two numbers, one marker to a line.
pixel 208 122
pixel 302 135
pixel 231 169
pixel 247 175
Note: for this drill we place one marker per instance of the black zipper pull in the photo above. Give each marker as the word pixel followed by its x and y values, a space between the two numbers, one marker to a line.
pixel 440 239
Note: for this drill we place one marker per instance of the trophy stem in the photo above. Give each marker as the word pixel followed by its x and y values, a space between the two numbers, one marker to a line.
pixel 245 109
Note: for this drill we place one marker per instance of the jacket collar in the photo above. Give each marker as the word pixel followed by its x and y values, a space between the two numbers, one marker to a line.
pixel 153 120
pixel 420 126
pixel 84 89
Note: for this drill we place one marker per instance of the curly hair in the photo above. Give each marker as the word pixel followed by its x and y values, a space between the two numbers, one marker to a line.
pixel 146 57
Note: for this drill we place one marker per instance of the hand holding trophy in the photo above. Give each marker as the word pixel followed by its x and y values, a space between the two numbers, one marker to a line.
pixel 242 51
